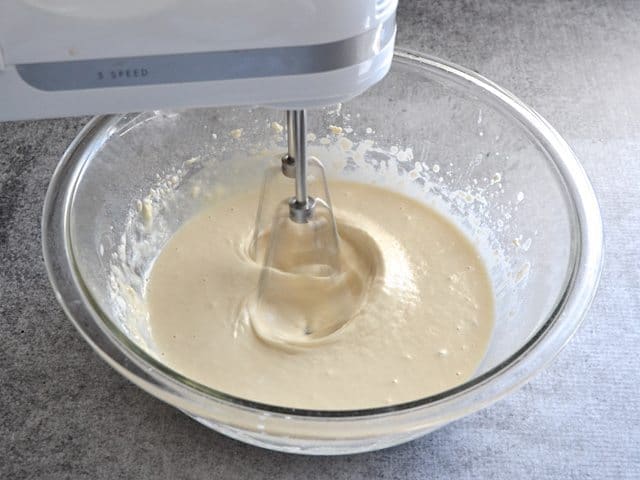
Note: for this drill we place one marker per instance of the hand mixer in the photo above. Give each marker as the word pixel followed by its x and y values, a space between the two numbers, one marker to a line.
pixel 72 57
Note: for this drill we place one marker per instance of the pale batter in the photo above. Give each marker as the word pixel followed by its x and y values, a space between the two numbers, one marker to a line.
pixel 418 295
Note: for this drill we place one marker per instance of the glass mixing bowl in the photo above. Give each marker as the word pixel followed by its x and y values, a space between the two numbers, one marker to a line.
pixel 435 131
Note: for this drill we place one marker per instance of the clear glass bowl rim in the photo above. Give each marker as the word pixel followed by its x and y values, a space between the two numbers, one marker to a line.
pixel 159 380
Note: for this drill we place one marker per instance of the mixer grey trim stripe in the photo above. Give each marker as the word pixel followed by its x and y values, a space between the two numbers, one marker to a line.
pixel 208 66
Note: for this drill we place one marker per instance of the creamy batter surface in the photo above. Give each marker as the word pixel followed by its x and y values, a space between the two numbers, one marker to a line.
pixel 416 292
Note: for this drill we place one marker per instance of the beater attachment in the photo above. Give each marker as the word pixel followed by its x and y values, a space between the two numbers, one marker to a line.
pixel 297 300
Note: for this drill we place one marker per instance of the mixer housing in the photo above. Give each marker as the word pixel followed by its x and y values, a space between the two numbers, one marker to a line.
pixel 71 57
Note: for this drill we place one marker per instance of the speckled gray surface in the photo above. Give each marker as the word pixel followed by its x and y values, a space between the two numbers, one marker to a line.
pixel 65 414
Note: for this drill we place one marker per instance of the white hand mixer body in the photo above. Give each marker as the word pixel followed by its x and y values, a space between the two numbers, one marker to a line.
pixel 77 57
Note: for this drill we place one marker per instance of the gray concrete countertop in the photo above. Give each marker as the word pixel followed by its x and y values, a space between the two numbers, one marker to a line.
pixel 65 414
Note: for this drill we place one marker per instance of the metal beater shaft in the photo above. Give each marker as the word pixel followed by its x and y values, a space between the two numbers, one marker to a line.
pixel 301 206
